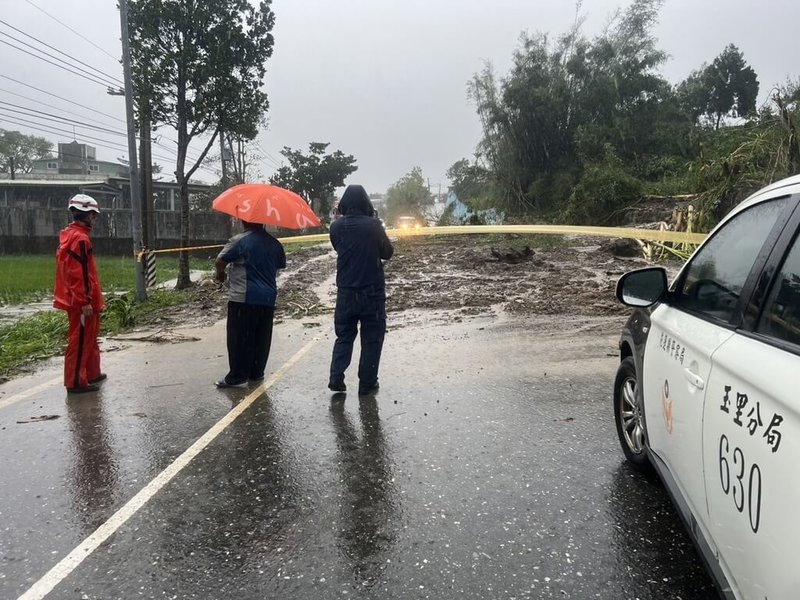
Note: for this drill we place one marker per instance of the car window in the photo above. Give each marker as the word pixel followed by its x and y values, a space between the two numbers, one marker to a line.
pixel 781 317
pixel 717 273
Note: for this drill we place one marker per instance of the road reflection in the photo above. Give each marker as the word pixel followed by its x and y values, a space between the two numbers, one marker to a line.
pixel 654 554
pixel 93 475
pixel 369 503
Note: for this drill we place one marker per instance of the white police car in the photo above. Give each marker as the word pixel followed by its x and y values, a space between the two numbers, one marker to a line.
pixel 708 392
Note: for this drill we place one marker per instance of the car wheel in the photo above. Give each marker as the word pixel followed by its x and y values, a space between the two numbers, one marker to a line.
pixel 628 415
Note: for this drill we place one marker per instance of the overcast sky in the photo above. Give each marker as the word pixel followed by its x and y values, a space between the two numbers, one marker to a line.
pixel 382 80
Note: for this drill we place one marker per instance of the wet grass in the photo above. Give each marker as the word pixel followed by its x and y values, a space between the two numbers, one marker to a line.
pixel 29 278
pixel 44 334
pixel 33 338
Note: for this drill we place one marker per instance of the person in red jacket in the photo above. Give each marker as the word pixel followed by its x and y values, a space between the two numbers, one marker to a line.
pixel 77 291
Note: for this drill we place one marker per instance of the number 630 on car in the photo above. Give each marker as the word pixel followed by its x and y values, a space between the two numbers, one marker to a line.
pixel 706 392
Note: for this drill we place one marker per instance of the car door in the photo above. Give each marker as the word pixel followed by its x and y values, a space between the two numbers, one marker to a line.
pixel 700 314
pixel 751 429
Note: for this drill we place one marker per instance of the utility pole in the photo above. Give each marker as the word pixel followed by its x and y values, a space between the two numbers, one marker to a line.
pixel 146 168
pixel 222 158
pixel 136 198
pixel 222 150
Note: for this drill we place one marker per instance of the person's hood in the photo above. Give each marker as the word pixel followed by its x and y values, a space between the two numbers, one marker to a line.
pixel 355 201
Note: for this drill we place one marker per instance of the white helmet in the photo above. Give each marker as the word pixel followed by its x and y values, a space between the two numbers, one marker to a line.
pixel 84 203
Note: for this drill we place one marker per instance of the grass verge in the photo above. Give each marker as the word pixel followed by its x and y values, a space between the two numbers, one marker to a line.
pixel 29 278
pixel 44 334
pixel 33 338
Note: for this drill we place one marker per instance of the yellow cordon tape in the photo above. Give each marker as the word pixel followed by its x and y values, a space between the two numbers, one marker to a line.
pixel 653 235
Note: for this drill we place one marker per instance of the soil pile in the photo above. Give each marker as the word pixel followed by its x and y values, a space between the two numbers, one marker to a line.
pixel 462 276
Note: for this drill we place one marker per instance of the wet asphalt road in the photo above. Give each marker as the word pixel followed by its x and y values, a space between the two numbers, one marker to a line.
pixel 486 467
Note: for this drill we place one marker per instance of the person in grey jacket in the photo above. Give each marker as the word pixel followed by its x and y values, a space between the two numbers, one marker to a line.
pixel 361 245
pixel 252 259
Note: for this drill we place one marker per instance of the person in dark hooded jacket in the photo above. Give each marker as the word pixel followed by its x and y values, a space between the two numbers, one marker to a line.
pixel 361 245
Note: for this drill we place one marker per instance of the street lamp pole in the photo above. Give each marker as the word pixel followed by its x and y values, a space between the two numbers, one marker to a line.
pixel 136 209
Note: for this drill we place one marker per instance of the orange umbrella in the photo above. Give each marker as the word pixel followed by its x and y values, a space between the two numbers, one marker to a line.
pixel 266 204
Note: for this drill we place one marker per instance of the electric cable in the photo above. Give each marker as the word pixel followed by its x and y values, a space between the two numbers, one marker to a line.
pixel 83 37
pixel 191 156
pixel 60 97
pixel 51 117
pixel 102 143
pixel 64 110
pixel 55 64
pixel 77 60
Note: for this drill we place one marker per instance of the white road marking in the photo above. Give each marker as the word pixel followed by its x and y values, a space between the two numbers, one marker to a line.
pixel 30 392
pixel 70 562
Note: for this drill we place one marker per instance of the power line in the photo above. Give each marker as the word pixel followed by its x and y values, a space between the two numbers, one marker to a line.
pixel 115 148
pixel 59 119
pixel 64 120
pixel 46 128
pixel 268 157
pixel 55 129
pixel 34 100
pixel 192 157
pixel 102 143
pixel 61 98
pixel 111 77
pixel 51 117
pixel 115 58
pixel 55 64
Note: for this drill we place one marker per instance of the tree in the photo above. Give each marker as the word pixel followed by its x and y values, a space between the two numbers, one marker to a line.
pixel 315 176
pixel 18 151
pixel 201 66
pixel 733 86
pixel 693 94
pixel 407 196
pixel 728 87
pixel 607 86
pixel 468 180
pixel 240 158
pixel 787 99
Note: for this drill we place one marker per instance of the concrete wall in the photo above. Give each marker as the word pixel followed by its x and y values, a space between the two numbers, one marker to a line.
pixel 35 230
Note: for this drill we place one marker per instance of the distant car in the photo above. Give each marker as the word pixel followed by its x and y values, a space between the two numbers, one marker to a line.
pixel 707 392
pixel 406 222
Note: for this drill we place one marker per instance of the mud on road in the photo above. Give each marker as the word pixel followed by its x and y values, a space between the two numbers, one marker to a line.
pixel 458 277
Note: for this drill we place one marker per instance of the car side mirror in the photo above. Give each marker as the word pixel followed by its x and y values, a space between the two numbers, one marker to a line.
pixel 643 287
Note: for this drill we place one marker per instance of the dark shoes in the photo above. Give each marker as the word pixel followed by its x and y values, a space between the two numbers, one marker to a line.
pixel 92 387
pixel 368 391
pixel 223 383
pixel 337 386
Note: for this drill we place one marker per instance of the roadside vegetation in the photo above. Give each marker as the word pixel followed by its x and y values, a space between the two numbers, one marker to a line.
pixel 29 278
pixel 581 130
pixel 44 334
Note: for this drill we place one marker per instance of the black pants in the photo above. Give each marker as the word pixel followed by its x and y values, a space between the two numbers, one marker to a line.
pixel 366 307
pixel 249 340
